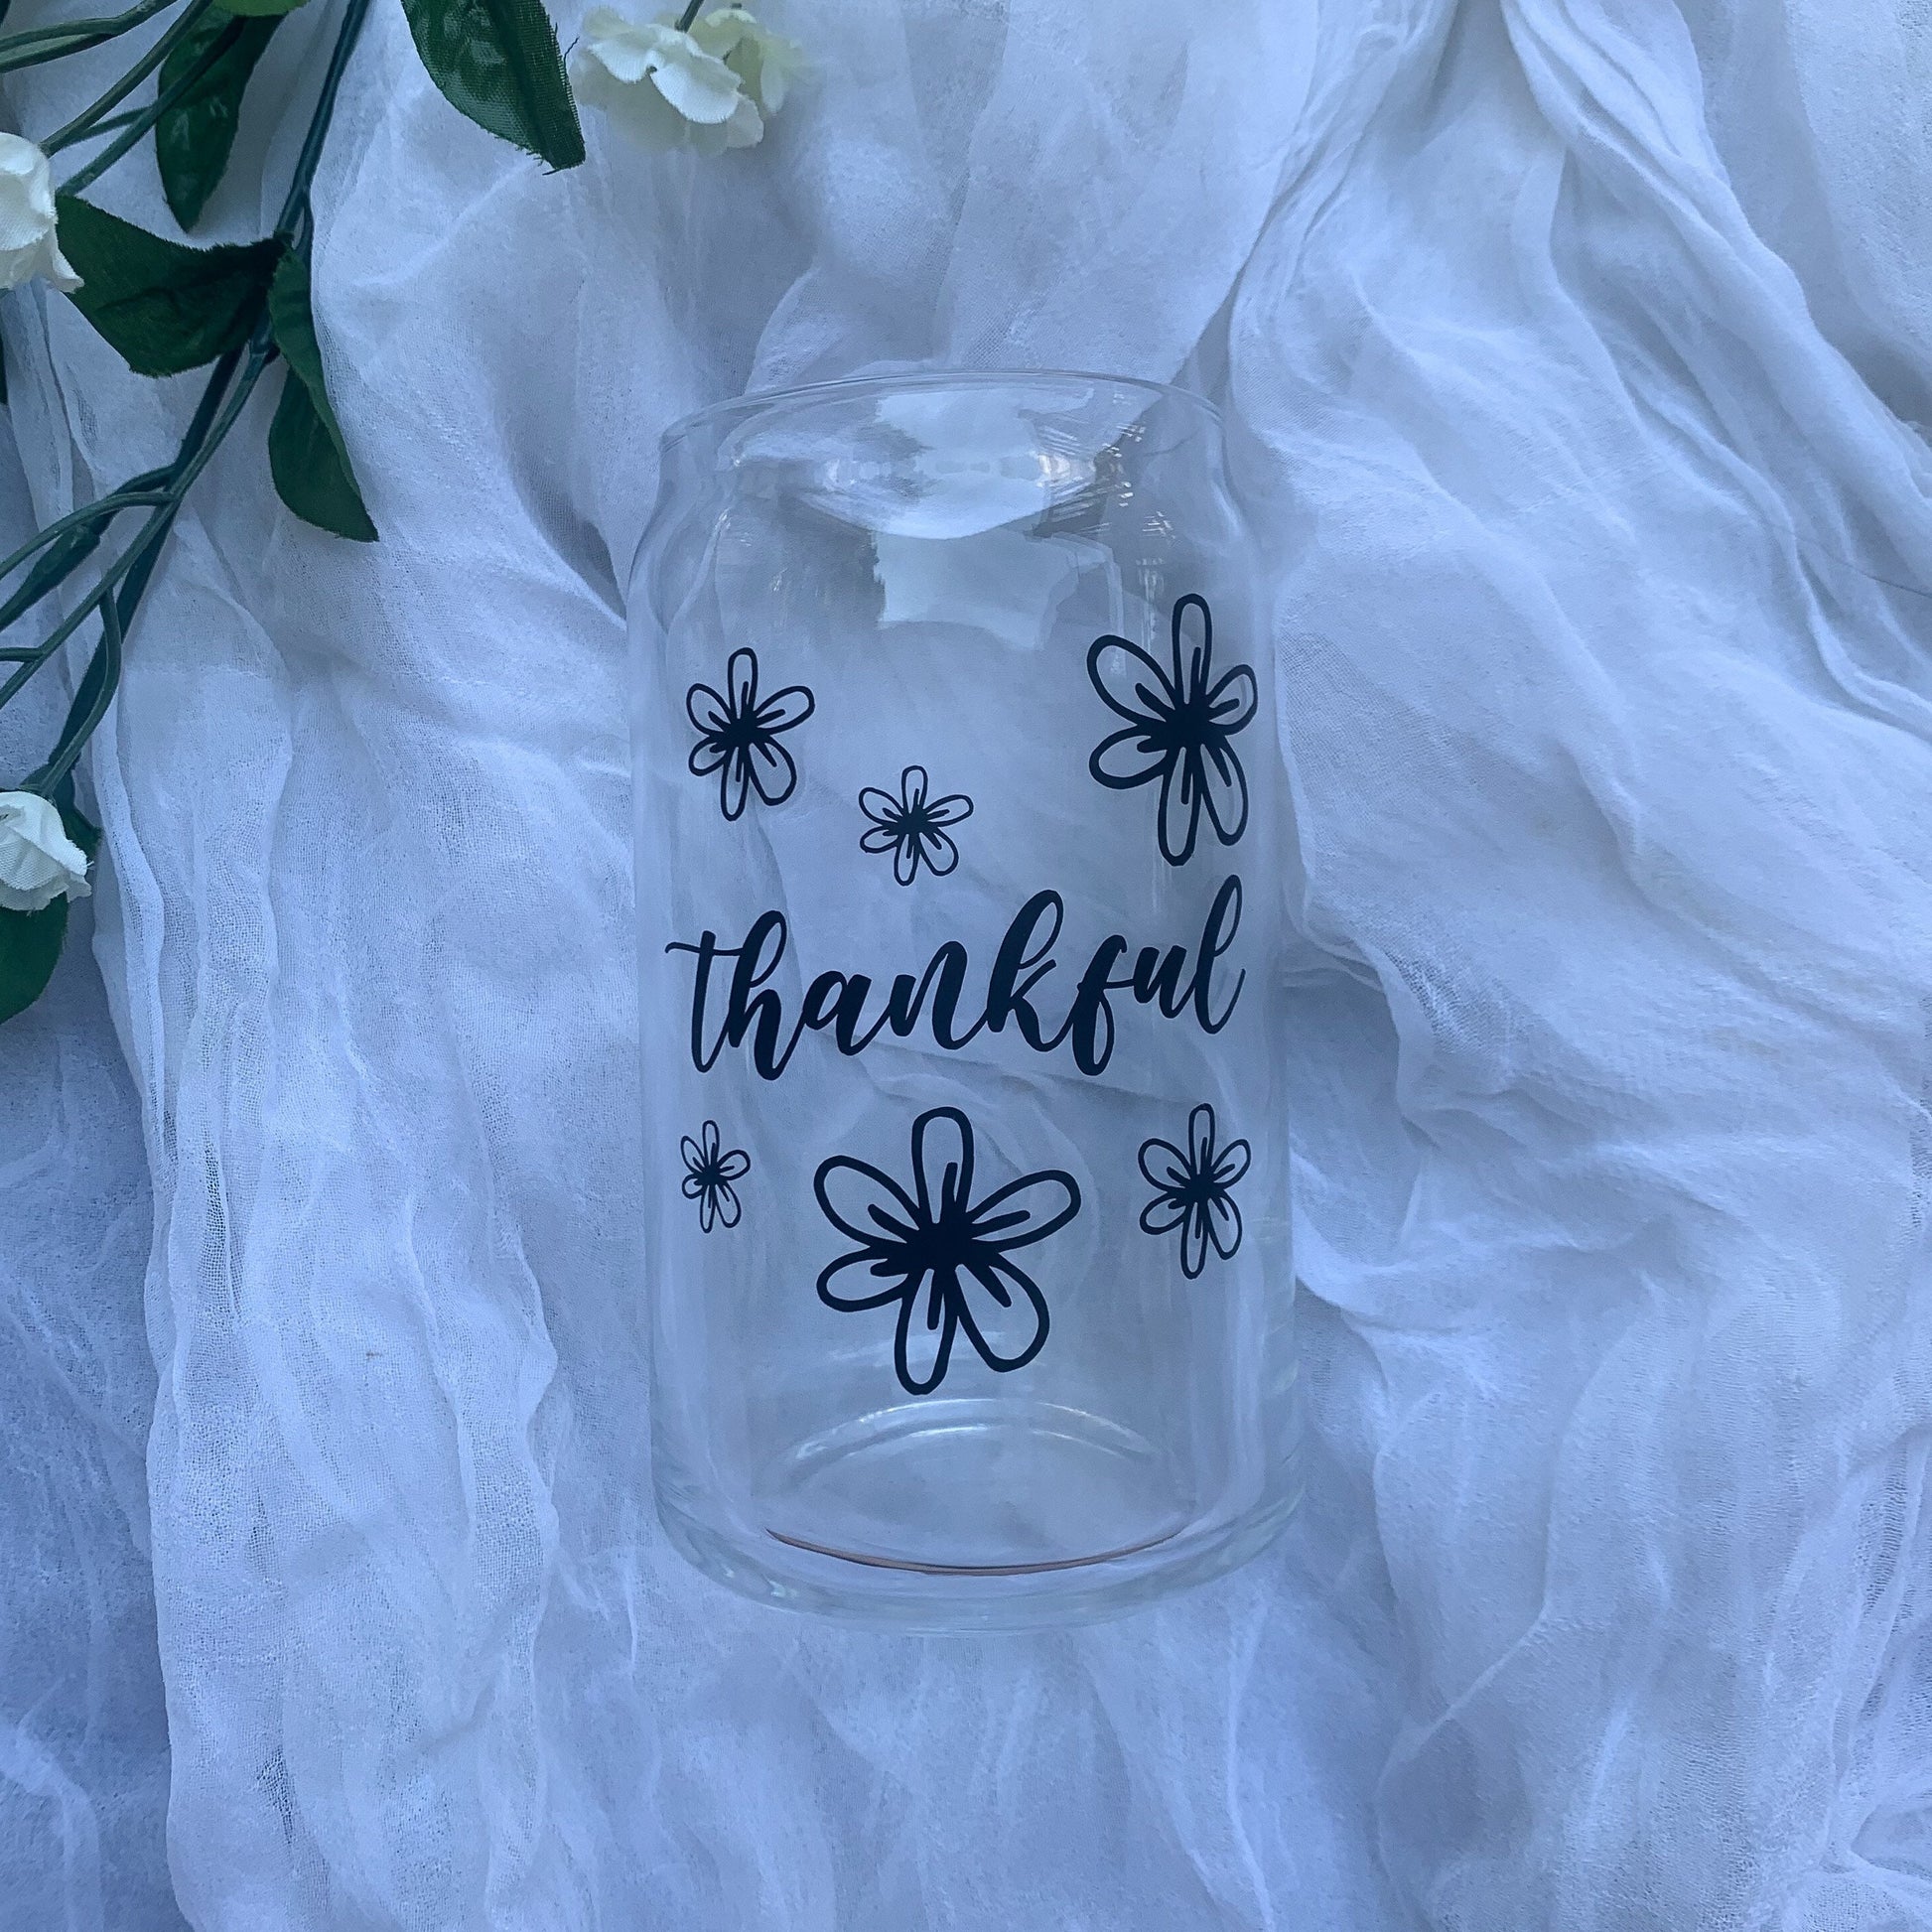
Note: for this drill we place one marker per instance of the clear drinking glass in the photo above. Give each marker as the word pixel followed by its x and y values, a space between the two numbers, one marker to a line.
pixel 960 838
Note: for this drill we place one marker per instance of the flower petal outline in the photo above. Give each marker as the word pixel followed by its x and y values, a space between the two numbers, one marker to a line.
pixel 1129 758
pixel 1180 725
pixel 1193 1243
pixel 1007 1219
pixel 941 854
pixel 937 1330
pixel 942 1256
pixel 1223 790
pixel 1129 682
pixel 787 709
pixel 866 1220
pixel 771 770
pixel 735 783
pixel 942 1159
pixel 1232 1163
pixel 1193 1190
pixel 1177 1175
pixel 1222 1218
pixel 742 682
pixel 1178 824
pixel 1027 1316
pixel 1233 702
pixel 706 711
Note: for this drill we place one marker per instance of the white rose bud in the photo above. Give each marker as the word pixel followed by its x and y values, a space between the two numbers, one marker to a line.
pixel 767 63
pixel 28 245
pixel 38 860
pixel 660 86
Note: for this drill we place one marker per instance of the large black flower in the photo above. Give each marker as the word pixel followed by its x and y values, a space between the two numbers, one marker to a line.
pixel 709 1171
pixel 738 737
pixel 1178 731
pixel 911 827
pixel 940 1241
pixel 1191 1191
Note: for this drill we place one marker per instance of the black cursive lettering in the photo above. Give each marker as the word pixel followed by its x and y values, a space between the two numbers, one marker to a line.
pixel 755 1009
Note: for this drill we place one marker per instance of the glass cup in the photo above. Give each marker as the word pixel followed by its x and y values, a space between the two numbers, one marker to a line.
pixel 961 829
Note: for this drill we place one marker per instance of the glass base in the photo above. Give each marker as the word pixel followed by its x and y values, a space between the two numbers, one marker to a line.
pixel 970 1515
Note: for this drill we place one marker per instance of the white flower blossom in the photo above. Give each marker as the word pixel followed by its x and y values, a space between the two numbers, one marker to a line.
pixel 28 244
pixel 38 860
pixel 668 88
pixel 767 63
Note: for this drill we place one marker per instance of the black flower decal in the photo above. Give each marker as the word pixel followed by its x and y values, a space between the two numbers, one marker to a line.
pixel 911 827
pixel 1178 731
pixel 738 737
pixel 1191 1191
pixel 940 1241
pixel 709 1172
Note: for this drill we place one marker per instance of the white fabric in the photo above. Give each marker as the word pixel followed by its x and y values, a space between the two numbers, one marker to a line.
pixel 83 1736
pixel 1570 348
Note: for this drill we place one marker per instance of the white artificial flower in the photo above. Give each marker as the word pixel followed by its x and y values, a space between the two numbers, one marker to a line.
pixel 28 245
pixel 767 63
pixel 38 860
pixel 660 86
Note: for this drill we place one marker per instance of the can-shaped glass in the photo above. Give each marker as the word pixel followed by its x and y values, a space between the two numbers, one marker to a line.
pixel 961 835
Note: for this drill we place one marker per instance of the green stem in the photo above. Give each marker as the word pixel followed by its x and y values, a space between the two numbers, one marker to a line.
pixel 141 122
pixel 68 625
pixel 39 56
pixel 132 78
pixel 91 697
pixel 205 433
pixel 295 208
pixel 42 44
pixel 101 678
pixel 136 491
pixel 112 122
pixel 690 14
pixel 123 583
pixel 106 26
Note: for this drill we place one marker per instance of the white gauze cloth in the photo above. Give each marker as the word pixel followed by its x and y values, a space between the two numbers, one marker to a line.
pixel 1573 352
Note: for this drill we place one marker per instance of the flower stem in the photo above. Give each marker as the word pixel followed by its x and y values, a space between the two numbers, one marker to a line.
pixel 690 14
pixel 295 208
pixel 37 44
pixel 145 488
pixel 113 121
pixel 132 78
pixel 122 584
pixel 139 123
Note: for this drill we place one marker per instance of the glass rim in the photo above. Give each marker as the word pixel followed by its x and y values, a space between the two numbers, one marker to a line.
pixel 916 379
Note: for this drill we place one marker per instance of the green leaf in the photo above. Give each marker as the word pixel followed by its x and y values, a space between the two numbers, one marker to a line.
pixel 307 456
pixel 292 317
pixel 30 949
pixel 166 307
pixel 259 9
pixel 192 139
pixel 497 60
pixel 312 476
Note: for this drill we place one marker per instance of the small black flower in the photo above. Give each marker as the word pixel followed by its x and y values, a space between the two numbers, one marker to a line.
pixel 911 826
pixel 738 737
pixel 1178 731
pixel 708 1177
pixel 938 1240
pixel 1191 1191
